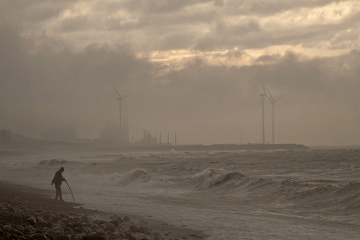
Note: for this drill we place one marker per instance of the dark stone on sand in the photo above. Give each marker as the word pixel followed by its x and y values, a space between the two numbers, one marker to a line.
pixel 7 228
pixel 49 236
pixel 64 237
pixel 133 229
pixel 128 234
pixel 38 236
pixel 32 220
pixel 69 225
pixel 100 233
pixel 93 237
pixel 28 230
pixel 132 238
pixel 67 229
pixel 110 227
pixel 195 235
pixel 115 222
pixel 77 224
pixel 40 218
pixel 17 232
pixel 38 231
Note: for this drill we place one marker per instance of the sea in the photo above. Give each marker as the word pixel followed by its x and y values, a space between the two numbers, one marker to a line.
pixel 271 194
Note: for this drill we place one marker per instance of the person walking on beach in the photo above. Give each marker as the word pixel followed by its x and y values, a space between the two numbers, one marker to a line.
pixel 58 178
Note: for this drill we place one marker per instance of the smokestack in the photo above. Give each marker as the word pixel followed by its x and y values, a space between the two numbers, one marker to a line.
pixel 175 139
pixel 168 139
pixel 155 139
pixel 160 137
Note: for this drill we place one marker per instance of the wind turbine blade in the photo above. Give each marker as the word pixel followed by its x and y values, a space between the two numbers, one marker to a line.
pixel 126 95
pixel 117 92
pixel 272 99
pixel 264 92
pixel 278 98
pixel 264 88
pixel 260 103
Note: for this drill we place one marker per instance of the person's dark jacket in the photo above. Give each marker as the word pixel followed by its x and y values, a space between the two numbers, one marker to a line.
pixel 58 178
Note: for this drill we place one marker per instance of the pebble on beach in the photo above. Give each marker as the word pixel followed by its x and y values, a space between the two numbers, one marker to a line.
pixel 37 217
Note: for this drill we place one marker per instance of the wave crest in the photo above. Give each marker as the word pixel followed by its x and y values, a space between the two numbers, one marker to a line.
pixel 215 177
pixel 135 175
pixel 53 162
pixel 115 179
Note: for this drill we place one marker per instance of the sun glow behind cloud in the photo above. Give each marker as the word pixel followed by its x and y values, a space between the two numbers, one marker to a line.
pixel 177 59
pixel 333 13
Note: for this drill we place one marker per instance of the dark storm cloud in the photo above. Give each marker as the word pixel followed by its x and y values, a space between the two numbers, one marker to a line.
pixel 228 36
pixel 33 12
pixel 250 34
pixel 75 88
pixel 46 80
pixel 79 23
pixel 61 82
pixel 181 24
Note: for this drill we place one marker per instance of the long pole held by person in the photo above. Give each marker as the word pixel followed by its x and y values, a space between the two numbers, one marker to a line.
pixel 70 191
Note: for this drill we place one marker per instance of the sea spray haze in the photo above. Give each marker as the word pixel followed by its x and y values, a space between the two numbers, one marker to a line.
pixel 297 194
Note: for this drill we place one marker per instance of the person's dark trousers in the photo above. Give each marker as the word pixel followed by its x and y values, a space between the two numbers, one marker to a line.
pixel 58 192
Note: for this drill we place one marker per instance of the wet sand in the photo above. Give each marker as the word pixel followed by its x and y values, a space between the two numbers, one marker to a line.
pixel 30 213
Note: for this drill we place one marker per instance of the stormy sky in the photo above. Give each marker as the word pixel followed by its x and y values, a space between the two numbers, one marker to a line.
pixel 195 67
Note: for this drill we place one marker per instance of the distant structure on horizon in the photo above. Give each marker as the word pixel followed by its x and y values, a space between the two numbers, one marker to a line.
pixel 60 134
pixel 123 128
pixel 273 101
pixel 7 136
pixel 263 95
pixel 146 140
pixel 150 140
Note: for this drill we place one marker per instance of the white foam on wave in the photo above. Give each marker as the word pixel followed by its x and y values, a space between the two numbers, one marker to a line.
pixel 52 162
pixel 114 179
pixel 211 177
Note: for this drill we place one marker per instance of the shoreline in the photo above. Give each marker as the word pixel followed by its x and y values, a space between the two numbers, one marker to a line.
pixel 32 213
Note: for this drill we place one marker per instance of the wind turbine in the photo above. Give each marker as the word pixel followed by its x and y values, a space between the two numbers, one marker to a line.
pixel 263 95
pixel 120 110
pixel 273 101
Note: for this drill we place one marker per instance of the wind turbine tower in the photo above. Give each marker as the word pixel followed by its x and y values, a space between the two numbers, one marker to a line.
pixel 120 111
pixel 263 95
pixel 273 101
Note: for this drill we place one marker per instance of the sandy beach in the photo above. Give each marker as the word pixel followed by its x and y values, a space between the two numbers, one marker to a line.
pixel 31 213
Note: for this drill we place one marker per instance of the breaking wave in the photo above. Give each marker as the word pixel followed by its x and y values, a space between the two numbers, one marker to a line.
pixel 53 162
pixel 115 179
pixel 135 175
pixel 209 178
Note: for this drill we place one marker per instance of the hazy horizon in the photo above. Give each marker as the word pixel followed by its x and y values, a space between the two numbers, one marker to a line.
pixel 195 68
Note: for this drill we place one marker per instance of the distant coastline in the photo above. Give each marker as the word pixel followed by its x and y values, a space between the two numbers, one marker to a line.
pixel 49 145
pixel 217 147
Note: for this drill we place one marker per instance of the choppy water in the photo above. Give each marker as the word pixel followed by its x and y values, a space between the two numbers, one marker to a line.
pixel 289 194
